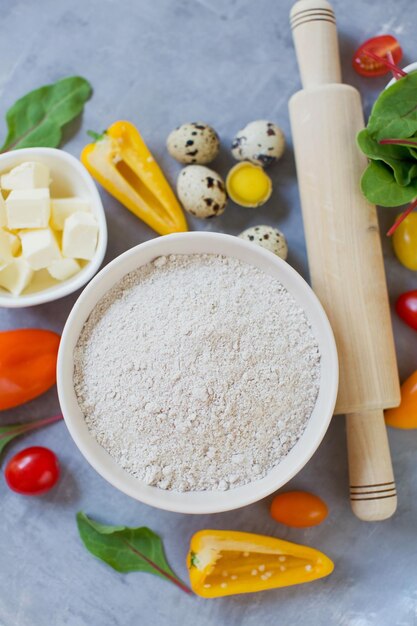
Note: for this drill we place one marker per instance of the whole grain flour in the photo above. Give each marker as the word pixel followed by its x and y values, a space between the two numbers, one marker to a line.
pixel 197 372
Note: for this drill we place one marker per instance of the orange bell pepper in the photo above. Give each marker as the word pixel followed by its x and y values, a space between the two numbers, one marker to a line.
pixel 405 415
pixel 224 563
pixel 122 163
pixel 27 365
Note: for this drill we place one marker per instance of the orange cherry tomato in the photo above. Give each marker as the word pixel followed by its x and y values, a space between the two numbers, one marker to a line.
pixel 405 415
pixel 299 509
pixel 27 365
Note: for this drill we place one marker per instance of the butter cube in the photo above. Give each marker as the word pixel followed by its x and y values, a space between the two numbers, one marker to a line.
pixel 28 208
pixel 28 175
pixel 61 208
pixel 80 235
pixel 16 276
pixel 14 243
pixel 3 214
pixel 63 268
pixel 39 247
pixel 9 246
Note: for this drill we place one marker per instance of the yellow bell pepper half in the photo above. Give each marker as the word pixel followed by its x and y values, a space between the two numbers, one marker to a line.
pixel 122 163
pixel 223 563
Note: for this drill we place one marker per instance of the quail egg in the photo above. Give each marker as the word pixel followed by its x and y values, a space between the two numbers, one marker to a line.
pixel 194 142
pixel 201 191
pixel 260 142
pixel 248 185
pixel 270 238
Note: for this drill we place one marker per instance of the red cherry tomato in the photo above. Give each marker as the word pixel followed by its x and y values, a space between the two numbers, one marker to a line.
pixel 32 471
pixel 298 508
pixel 382 45
pixel 406 307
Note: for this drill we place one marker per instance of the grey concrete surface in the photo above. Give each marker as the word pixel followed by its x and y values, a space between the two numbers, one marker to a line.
pixel 160 63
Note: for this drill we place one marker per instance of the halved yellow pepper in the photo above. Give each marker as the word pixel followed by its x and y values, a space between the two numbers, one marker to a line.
pixel 122 163
pixel 224 562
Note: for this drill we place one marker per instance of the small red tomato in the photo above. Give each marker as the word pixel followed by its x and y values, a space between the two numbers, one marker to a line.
pixel 32 471
pixel 299 509
pixel 406 307
pixel 381 45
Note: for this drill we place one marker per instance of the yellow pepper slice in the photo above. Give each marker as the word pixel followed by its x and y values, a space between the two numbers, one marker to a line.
pixel 122 163
pixel 224 562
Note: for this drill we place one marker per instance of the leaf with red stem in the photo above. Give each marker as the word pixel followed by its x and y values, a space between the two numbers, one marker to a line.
pixel 409 142
pixel 399 158
pixel 394 114
pixel 402 218
pixel 127 549
pixel 380 187
pixel 398 142
pixel 9 432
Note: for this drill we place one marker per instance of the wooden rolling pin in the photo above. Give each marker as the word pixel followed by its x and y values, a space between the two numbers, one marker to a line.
pixel 344 253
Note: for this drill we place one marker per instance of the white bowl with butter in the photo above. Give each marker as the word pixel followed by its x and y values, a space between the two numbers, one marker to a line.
pixel 69 181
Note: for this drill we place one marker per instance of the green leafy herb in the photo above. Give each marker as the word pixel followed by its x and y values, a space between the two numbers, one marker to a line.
pixel 389 142
pixel 409 142
pixel 403 165
pixel 127 549
pixel 394 114
pixel 7 433
pixel 37 118
pixel 380 187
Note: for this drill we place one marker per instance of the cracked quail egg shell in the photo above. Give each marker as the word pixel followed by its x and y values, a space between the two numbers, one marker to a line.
pixel 201 191
pixel 268 237
pixel 194 142
pixel 260 142
pixel 248 185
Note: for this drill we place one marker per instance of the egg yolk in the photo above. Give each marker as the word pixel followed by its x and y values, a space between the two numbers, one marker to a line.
pixel 248 185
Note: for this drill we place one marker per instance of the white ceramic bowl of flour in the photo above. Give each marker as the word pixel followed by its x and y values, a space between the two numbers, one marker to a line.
pixel 209 501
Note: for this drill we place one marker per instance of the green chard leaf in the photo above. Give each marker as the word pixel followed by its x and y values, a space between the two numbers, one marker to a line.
pixel 408 142
pixel 394 114
pixel 37 118
pixel 391 177
pixel 402 163
pixel 127 549
pixel 379 186
pixel 9 432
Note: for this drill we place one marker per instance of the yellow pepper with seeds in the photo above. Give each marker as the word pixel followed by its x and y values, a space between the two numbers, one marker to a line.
pixel 224 563
pixel 121 162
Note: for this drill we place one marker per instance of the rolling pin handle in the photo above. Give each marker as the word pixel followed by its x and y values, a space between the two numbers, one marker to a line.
pixel 373 494
pixel 315 38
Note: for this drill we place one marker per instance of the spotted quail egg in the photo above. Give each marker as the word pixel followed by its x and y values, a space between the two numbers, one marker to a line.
pixel 260 142
pixel 270 238
pixel 201 191
pixel 194 142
